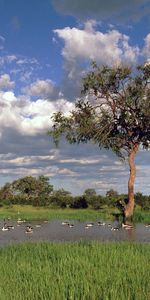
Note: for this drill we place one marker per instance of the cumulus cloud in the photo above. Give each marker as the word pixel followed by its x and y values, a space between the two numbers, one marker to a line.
pixel 81 46
pixel 5 82
pixel 111 47
pixel 42 88
pixel 119 10
pixel 26 116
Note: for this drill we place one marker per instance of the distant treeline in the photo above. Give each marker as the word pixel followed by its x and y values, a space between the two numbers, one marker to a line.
pixel 38 191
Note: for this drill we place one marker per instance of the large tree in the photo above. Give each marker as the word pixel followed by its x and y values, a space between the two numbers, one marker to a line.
pixel 113 112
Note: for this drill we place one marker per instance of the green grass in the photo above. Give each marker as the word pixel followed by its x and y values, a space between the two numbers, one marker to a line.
pixel 141 216
pixel 75 271
pixel 29 212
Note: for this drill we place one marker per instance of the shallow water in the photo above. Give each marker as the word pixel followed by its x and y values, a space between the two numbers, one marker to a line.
pixel 55 231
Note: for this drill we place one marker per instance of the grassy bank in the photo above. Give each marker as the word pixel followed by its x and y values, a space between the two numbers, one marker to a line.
pixel 79 271
pixel 29 212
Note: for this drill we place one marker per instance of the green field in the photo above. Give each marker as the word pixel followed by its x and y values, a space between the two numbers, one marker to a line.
pixel 75 271
pixel 29 212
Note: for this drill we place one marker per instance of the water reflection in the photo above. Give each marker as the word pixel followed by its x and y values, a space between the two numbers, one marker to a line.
pixel 72 231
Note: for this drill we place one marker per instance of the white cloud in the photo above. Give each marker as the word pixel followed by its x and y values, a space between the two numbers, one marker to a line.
pixel 84 161
pixel 11 58
pixel 146 48
pixel 41 88
pixel 67 172
pixel 26 61
pixel 5 82
pixel 26 116
pixel 81 46
pixel 110 48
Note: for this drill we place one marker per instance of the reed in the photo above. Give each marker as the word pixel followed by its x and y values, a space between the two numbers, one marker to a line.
pixel 75 271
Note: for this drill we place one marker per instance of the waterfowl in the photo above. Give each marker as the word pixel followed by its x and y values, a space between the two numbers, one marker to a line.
pixel 101 223
pixel 19 221
pixel 148 225
pixel 10 226
pixel 87 227
pixel 71 225
pixel 114 228
pixel 38 225
pixel 29 229
pixel 5 228
pixel 65 223
pixel 90 224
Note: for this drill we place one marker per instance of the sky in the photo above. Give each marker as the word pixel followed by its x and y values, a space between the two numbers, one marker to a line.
pixel 46 47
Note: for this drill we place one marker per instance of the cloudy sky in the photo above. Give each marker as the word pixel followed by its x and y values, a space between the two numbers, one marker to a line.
pixel 45 48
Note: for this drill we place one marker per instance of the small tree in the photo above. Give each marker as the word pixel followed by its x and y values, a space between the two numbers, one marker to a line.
pixel 34 190
pixel 115 114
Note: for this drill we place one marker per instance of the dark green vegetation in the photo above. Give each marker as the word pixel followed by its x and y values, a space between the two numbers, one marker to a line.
pixel 116 116
pixel 75 271
pixel 39 192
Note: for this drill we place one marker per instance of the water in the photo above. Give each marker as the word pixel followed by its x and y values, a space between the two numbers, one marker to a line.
pixel 55 231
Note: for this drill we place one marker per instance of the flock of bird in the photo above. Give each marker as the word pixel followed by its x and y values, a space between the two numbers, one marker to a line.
pixel 7 227
pixel 29 228
pixel 89 225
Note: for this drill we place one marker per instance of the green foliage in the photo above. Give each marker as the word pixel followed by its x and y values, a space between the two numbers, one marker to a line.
pixel 116 115
pixel 27 190
pixel 93 200
pixel 142 200
pixel 61 198
pixel 79 202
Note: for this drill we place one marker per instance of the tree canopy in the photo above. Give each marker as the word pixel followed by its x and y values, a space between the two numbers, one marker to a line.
pixel 113 112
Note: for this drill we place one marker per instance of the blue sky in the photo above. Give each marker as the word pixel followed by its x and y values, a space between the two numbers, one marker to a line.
pixel 45 48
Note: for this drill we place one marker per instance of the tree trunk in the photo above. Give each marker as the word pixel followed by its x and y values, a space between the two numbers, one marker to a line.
pixel 129 209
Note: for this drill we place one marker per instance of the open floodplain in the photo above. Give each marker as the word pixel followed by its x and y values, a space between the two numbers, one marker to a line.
pixel 72 259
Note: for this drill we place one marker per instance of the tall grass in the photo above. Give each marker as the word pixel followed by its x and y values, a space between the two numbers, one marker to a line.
pixel 75 271
pixel 29 212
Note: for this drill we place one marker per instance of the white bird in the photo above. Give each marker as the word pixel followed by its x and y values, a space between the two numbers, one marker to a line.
pixel 5 228
pixel 90 224
pixel 114 228
pixel 19 221
pixel 148 225
pixel 71 225
pixel 101 223
pixel 10 226
pixel 29 229
pixel 65 223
